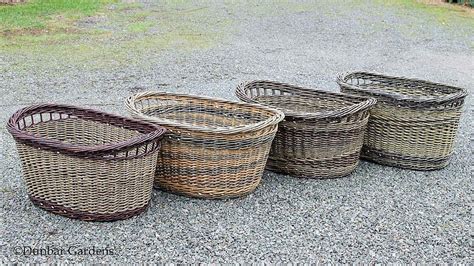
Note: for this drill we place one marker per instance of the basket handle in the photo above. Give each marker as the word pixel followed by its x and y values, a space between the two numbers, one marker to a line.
pixel 343 79
pixel 243 93
pixel 131 104
pixel 150 132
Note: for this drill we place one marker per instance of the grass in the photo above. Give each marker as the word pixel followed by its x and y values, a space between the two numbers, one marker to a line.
pixel 140 26
pixel 44 29
pixel 443 13
pixel 45 15
pixel 103 38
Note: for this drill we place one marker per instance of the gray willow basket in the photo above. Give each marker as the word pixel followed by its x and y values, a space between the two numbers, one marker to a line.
pixel 414 123
pixel 86 164
pixel 322 133
pixel 214 148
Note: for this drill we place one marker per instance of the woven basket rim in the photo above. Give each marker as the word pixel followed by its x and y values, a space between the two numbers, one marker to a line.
pixel 459 94
pixel 365 102
pixel 150 132
pixel 275 118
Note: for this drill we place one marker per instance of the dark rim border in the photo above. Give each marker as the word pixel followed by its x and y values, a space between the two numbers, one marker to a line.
pixel 459 94
pixel 150 131
pixel 364 104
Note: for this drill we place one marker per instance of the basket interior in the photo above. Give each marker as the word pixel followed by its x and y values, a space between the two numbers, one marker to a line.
pixel 203 113
pixel 73 130
pixel 400 86
pixel 293 100
pixel 303 104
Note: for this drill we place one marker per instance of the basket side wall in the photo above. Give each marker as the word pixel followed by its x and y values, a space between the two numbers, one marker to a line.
pixel 319 149
pixel 213 166
pixel 419 138
pixel 94 187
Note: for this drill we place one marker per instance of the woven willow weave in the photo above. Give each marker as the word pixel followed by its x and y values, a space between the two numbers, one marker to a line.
pixel 214 149
pixel 414 123
pixel 322 133
pixel 86 164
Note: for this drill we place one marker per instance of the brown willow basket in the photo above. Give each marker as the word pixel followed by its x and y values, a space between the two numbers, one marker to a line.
pixel 86 164
pixel 322 133
pixel 414 123
pixel 214 148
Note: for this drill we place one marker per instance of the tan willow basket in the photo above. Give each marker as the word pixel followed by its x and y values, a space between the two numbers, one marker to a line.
pixel 414 123
pixel 86 164
pixel 214 148
pixel 322 133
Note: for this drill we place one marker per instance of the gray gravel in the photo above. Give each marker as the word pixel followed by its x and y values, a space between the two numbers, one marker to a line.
pixel 378 214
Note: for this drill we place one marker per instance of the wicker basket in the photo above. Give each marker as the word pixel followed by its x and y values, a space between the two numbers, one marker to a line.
pixel 322 133
pixel 214 149
pixel 86 164
pixel 414 123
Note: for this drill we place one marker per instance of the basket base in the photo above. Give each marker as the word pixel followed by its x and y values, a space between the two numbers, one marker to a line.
pixel 406 162
pixel 85 216
pixel 212 196
pixel 308 176
pixel 308 170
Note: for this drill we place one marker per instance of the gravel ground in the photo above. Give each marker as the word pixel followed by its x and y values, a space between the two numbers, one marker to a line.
pixel 378 214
